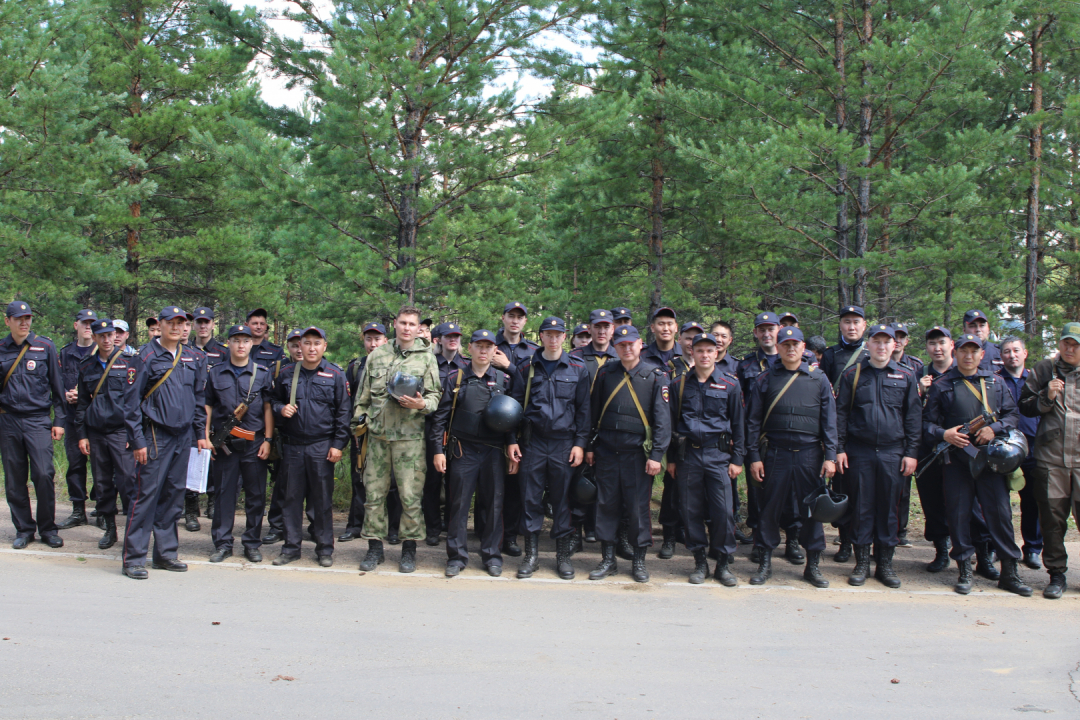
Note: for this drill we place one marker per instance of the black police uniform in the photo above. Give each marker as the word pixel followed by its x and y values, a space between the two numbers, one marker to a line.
pixel 1030 530
pixel 556 419
pixel 878 422
pixel 191 497
pixel 912 363
pixel 801 433
pixel 107 421
pixel 584 516
pixel 833 362
pixel 215 352
pixel 949 403
pixel 355 523
pixel 70 359
pixel 516 353
pixel 168 415
pixel 674 364
pixel 622 485
pixel 270 356
pixel 26 445
pixel 437 515
pixel 225 390
pixel 321 422
pixel 991 361
pixel 708 435
pixel 915 365
pixel 476 461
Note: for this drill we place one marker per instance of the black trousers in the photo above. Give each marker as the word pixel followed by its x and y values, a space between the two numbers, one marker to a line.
pixel 480 471
pixel 623 489
pixel 1030 530
pixel 841 483
pixel 26 450
pixel 705 499
pixel 76 471
pixel 790 475
pixel 159 497
pixel 274 516
pixel 242 467
pixel 932 499
pixel 546 463
pixel 308 476
pixel 669 507
pixel 113 466
pixel 436 511
pixel 584 516
pixel 512 509
pixel 904 511
pixel 874 487
pixel 992 494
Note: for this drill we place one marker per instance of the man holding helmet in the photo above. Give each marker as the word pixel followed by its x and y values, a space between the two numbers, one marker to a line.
pixel 1052 393
pixel 461 432
pixel 395 425
pixel 964 393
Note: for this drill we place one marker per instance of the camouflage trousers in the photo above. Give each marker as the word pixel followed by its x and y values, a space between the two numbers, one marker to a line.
pixel 405 458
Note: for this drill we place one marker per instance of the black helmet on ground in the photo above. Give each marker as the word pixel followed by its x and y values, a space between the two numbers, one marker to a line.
pixel 1005 452
pixel 503 413
pixel 826 506
pixel 583 485
pixel 404 385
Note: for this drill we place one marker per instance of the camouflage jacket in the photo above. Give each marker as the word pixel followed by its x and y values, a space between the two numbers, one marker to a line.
pixel 386 419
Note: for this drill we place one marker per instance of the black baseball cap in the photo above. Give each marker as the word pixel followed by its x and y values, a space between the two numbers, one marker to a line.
pixel 691 325
pixel 582 328
pixel 789 333
pixel 374 327
pixel 899 327
pixel 85 315
pixel 973 315
pixel 261 312
pixel 240 330
pixel 515 306
pixel 294 334
pixel 791 315
pixel 482 336
pixel 204 313
pixel 601 316
pixel 621 313
pixel 882 330
pixel 151 321
pixel 18 308
pixel 101 327
pixel 171 313
pixel 626 333
pixel 938 330
pixel 705 337
pixel 664 312
pixel 312 330
pixel 766 318
pixel 447 328
pixel 969 339
pixel 553 323
pixel 852 310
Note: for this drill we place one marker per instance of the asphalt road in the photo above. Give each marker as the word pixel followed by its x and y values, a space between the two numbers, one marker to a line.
pixel 238 641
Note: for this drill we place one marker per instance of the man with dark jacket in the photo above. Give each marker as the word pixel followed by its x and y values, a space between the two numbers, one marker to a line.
pixel 70 359
pixel 167 388
pixel 1052 393
pixel 104 422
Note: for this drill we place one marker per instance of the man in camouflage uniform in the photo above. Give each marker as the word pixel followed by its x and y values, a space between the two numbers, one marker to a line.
pixel 396 436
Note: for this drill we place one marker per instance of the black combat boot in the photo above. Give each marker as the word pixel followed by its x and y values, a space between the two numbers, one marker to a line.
pixel 764 570
pixel 963 580
pixel 862 566
pixel 701 568
pixel 639 573
pixel 209 506
pixel 407 563
pixel 984 562
pixel 1010 578
pixel 109 538
pixel 723 571
pixel 941 556
pixel 812 573
pixel 530 563
pixel 844 553
pixel 510 546
pixel 275 535
pixel 755 554
pixel 374 556
pixel 564 567
pixel 1056 587
pixel 667 548
pixel 608 564
pixel 885 572
pixel 576 542
pixel 191 514
pixel 792 551
pixel 77 516
pixel 623 548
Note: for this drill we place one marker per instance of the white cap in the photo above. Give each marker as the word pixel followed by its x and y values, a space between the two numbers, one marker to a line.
pixel 121 325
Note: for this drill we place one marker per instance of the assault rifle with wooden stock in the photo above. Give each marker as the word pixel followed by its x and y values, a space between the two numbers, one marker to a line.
pixel 971 428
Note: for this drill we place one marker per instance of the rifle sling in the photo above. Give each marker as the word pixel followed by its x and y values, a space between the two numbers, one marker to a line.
pixel 776 399
pixel 105 374
pixel 159 383
pixel 26 346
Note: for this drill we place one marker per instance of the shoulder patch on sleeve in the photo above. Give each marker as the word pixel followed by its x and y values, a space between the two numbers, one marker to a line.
pixel 664 391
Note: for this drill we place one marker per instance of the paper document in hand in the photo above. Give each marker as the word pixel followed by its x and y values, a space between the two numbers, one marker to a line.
pixel 198 470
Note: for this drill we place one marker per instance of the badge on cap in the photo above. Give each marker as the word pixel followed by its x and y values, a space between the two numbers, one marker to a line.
pixel 22 307
pixel 517 304
pixel 624 331
pixel 602 313
pixel 786 333
pixel 554 322
pixel 485 333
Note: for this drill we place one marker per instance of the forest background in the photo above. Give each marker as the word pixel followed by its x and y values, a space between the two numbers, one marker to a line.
pixel 722 157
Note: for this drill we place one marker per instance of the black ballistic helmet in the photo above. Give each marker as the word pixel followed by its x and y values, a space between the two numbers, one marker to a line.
pixel 404 385
pixel 1005 452
pixel 826 506
pixel 582 485
pixel 503 413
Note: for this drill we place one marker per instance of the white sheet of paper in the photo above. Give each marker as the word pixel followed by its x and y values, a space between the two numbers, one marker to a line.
pixel 198 470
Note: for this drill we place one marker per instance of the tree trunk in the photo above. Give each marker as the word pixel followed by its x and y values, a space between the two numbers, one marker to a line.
pixel 946 313
pixel 656 190
pixel 129 293
pixel 843 295
pixel 1031 232
pixel 409 200
pixel 862 199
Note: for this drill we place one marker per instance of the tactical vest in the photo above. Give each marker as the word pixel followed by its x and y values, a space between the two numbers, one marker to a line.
pixel 593 364
pixel 472 400
pixel 965 406
pixel 799 410
pixel 622 414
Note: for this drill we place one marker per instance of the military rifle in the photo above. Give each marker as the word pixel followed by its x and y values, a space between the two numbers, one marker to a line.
pixel 231 427
pixel 971 428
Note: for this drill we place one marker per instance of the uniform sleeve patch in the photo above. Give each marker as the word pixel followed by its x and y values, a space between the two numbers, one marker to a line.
pixel 665 393
pixel 131 376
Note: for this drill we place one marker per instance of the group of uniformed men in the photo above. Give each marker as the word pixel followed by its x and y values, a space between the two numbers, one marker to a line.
pixel 613 412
